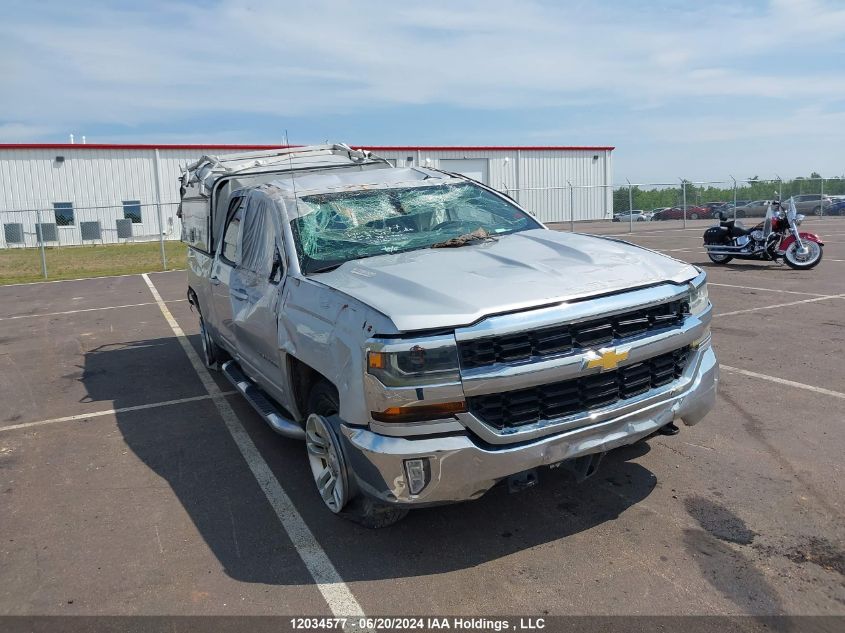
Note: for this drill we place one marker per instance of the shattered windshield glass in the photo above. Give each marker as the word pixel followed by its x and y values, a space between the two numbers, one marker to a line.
pixel 334 228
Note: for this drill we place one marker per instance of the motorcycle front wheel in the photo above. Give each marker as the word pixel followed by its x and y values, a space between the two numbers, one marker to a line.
pixel 803 262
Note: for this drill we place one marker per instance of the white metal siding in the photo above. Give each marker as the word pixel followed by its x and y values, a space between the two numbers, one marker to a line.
pixel 89 178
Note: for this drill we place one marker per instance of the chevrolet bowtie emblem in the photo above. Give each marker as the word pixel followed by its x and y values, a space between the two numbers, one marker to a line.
pixel 607 358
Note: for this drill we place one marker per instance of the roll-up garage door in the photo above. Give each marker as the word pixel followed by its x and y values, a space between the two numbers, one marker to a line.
pixel 475 168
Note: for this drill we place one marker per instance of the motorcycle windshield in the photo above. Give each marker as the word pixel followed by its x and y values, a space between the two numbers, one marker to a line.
pixel 792 212
pixel 767 223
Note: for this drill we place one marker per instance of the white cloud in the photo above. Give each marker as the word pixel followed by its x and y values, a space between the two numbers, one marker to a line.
pixel 99 63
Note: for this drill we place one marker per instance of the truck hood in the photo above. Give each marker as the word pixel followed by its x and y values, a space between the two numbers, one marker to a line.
pixel 453 287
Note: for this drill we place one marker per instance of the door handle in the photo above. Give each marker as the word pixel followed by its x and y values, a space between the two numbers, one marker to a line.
pixel 214 281
pixel 237 293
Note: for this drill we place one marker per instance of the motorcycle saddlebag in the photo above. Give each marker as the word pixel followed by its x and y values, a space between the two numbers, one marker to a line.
pixel 716 235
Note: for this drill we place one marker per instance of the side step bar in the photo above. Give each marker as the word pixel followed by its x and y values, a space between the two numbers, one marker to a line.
pixel 261 403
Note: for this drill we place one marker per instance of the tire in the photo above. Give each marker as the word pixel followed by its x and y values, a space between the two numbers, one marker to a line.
pixel 640 219
pixel 212 354
pixel 818 211
pixel 813 258
pixel 719 259
pixel 693 216
pixel 325 453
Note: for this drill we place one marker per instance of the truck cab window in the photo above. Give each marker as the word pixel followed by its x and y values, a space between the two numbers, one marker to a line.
pixel 230 251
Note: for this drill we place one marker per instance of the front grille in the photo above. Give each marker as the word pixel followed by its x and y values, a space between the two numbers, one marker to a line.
pixel 546 402
pixel 560 339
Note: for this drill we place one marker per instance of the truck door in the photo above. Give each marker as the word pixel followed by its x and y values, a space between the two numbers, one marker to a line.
pixel 225 261
pixel 256 288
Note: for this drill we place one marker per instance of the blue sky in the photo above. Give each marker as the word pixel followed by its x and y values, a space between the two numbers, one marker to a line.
pixel 694 89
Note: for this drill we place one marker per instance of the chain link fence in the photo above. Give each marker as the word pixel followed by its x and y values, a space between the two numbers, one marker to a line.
pixel 66 241
pixel 632 206
pixel 49 242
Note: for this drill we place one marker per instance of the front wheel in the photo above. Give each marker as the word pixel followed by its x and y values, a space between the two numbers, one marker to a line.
pixel 818 211
pixel 693 216
pixel 335 483
pixel 799 261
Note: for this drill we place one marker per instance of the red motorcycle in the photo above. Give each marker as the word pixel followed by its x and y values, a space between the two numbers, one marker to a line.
pixel 775 237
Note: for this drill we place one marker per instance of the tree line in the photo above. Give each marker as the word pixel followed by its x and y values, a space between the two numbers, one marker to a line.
pixel 752 189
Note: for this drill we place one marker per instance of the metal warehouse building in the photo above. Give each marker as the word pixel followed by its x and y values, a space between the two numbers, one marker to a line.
pixel 94 193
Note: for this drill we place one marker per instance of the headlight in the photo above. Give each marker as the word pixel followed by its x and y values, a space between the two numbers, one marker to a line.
pixel 698 298
pixel 414 363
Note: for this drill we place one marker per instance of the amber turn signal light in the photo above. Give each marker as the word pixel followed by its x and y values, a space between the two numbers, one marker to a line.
pixel 420 413
pixel 377 360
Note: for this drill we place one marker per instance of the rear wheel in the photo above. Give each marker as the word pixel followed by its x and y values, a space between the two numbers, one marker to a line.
pixel 719 259
pixel 803 261
pixel 211 352
pixel 335 484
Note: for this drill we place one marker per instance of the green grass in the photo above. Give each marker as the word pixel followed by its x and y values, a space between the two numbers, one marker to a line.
pixel 20 265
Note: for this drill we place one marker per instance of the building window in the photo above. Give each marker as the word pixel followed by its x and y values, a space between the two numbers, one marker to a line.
pixel 132 211
pixel 64 213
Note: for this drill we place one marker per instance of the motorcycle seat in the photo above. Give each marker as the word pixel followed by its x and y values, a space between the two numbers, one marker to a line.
pixel 735 229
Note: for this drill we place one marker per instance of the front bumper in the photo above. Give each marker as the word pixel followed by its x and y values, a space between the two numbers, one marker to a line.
pixel 462 468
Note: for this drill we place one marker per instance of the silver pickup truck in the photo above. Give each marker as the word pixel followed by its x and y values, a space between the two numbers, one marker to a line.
pixel 426 336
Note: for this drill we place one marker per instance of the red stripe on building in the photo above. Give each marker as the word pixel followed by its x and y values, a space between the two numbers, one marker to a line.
pixel 377 148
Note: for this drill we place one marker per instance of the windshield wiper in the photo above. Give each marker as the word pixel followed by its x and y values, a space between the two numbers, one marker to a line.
pixel 478 235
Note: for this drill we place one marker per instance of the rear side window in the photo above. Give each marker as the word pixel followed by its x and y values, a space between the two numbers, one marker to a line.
pixel 230 251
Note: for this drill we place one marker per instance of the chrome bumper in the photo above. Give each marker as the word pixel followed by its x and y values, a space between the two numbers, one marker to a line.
pixel 462 468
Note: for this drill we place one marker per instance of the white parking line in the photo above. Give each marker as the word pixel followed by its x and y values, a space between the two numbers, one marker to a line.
pixel 97 414
pixel 783 381
pixel 46 314
pixel 336 593
pixel 778 305
pixel 786 292
pixel 61 281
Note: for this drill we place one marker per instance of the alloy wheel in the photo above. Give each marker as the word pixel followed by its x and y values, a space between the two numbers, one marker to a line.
pixel 326 461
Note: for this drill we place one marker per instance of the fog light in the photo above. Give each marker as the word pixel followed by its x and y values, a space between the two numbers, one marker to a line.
pixel 418 473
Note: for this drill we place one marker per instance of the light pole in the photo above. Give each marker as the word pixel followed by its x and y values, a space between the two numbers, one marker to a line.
pixel 734 179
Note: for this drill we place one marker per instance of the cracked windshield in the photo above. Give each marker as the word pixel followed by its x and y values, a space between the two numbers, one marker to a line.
pixel 338 227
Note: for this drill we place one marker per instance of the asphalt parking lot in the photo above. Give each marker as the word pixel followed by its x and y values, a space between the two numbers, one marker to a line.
pixel 123 490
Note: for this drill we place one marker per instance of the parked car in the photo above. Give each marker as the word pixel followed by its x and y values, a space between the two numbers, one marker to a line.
pixel 810 203
pixel 728 211
pixel 753 209
pixel 837 207
pixel 714 208
pixel 637 215
pixel 677 213
pixel 424 335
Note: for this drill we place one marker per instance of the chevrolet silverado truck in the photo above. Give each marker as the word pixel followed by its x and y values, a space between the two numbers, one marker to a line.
pixel 424 335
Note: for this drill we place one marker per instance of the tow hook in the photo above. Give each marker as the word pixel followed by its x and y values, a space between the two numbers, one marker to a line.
pixel 584 467
pixel 522 481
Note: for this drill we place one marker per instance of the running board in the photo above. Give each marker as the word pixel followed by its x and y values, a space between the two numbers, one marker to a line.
pixel 261 403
